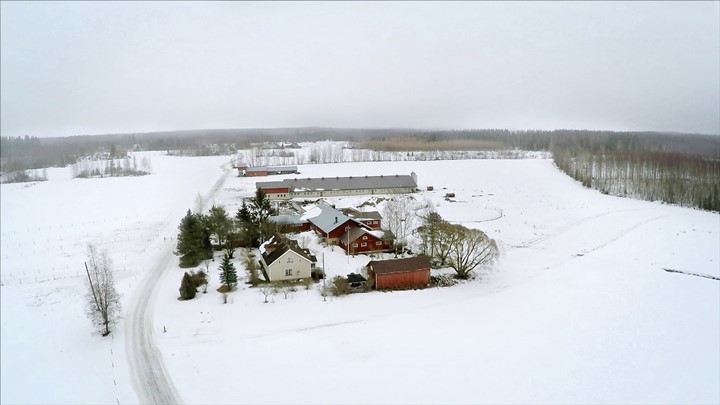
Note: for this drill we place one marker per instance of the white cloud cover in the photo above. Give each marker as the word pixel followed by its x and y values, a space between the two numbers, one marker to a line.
pixel 97 67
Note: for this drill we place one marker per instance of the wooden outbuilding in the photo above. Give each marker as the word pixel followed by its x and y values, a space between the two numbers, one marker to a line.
pixel 411 272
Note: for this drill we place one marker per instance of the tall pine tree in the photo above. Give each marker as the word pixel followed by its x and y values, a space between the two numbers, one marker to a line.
pixel 193 244
pixel 228 274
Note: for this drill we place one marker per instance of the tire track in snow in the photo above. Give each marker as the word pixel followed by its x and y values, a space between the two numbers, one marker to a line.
pixel 542 238
pixel 147 368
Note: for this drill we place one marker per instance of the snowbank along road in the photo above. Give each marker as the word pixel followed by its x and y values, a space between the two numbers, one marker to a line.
pixel 148 374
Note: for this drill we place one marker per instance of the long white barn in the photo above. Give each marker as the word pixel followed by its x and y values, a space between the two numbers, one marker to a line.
pixel 339 186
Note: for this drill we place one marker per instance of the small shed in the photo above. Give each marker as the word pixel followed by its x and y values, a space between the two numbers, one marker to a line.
pixel 411 272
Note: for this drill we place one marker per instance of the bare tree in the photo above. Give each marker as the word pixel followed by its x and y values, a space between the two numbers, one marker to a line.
pixel 399 217
pixel 199 204
pixel 286 289
pixel 267 290
pixel 447 237
pixel 102 300
pixel 473 249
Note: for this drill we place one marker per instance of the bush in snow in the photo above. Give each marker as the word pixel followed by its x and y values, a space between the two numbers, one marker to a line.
pixel 187 287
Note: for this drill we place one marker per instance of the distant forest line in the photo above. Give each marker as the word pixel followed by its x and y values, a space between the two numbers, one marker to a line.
pixel 676 168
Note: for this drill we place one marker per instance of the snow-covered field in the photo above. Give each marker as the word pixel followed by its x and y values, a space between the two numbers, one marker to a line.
pixel 578 309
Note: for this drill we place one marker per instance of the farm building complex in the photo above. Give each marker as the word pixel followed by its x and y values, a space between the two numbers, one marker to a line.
pixel 246 171
pixel 357 232
pixel 339 186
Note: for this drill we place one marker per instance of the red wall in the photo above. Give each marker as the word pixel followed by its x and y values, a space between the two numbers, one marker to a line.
pixel 277 190
pixel 255 173
pixel 410 279
pixel 338 231
pixel 371 225
pixel 371 245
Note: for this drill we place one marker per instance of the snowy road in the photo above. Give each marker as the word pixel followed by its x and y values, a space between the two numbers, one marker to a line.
pixel 147 368
pixel 149 376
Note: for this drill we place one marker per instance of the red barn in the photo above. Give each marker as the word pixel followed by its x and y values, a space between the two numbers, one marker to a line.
pixel 412 272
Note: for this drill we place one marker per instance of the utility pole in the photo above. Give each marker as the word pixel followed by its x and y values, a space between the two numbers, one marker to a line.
pixel 347 231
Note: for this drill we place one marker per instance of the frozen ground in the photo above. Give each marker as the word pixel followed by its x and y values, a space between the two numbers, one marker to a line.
pixel 49 354
pixel 579 308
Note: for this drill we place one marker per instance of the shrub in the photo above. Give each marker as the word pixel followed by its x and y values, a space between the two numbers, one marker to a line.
pixel 187 287
pixel 200 279
pixel 338 286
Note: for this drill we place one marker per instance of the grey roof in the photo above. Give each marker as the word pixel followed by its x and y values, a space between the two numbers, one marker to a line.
pixel 272 169
pixel 343 183
pixel 400 265
pixel 281 168
pixel 329 217
pixel 284 245
pixel 270 184
pixel 354 234
pixel 364 215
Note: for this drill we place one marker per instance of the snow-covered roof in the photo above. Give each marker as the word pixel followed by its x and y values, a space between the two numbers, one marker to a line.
pixel 343 183
pixel 363 215
pixel 294 219
pixel 328 217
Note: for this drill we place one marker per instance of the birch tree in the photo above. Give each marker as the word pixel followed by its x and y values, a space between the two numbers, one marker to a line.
pixel 102 301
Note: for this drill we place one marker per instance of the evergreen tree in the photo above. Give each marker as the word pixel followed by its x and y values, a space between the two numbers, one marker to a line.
pixel 262 208
pixel 253 218
pixel 228 274
pixel 193 240
pixel 187 287
pixel 219 224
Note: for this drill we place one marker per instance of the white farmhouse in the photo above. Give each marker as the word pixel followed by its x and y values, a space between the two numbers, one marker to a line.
pixel 284 260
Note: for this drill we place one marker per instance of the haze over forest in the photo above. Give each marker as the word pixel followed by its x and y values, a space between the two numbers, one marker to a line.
pixel 102 68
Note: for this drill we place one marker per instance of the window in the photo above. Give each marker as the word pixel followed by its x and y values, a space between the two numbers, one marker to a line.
pixel 364 237
pixel 290 260
pixel 354 244
pixel 378 243
pixel 375 222
pixel 288 272
pixel 363 244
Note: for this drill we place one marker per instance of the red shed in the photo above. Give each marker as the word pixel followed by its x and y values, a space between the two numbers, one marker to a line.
pixel 412 272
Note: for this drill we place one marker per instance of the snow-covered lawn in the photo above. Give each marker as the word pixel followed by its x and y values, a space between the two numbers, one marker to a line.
pixel 578 309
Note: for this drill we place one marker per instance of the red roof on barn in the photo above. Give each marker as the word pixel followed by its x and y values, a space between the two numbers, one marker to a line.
pixel 400 265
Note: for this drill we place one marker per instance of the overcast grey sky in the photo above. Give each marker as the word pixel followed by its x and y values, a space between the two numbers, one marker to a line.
pixel 100 67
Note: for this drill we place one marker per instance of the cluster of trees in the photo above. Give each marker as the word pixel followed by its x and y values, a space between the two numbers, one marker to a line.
pixel 455 246
pixel 191 282
pixel 86 168
pixel 24 176
pixel 675 178
pixel 201 234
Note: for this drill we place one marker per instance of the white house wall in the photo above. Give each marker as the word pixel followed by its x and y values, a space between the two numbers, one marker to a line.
pixel 299 265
